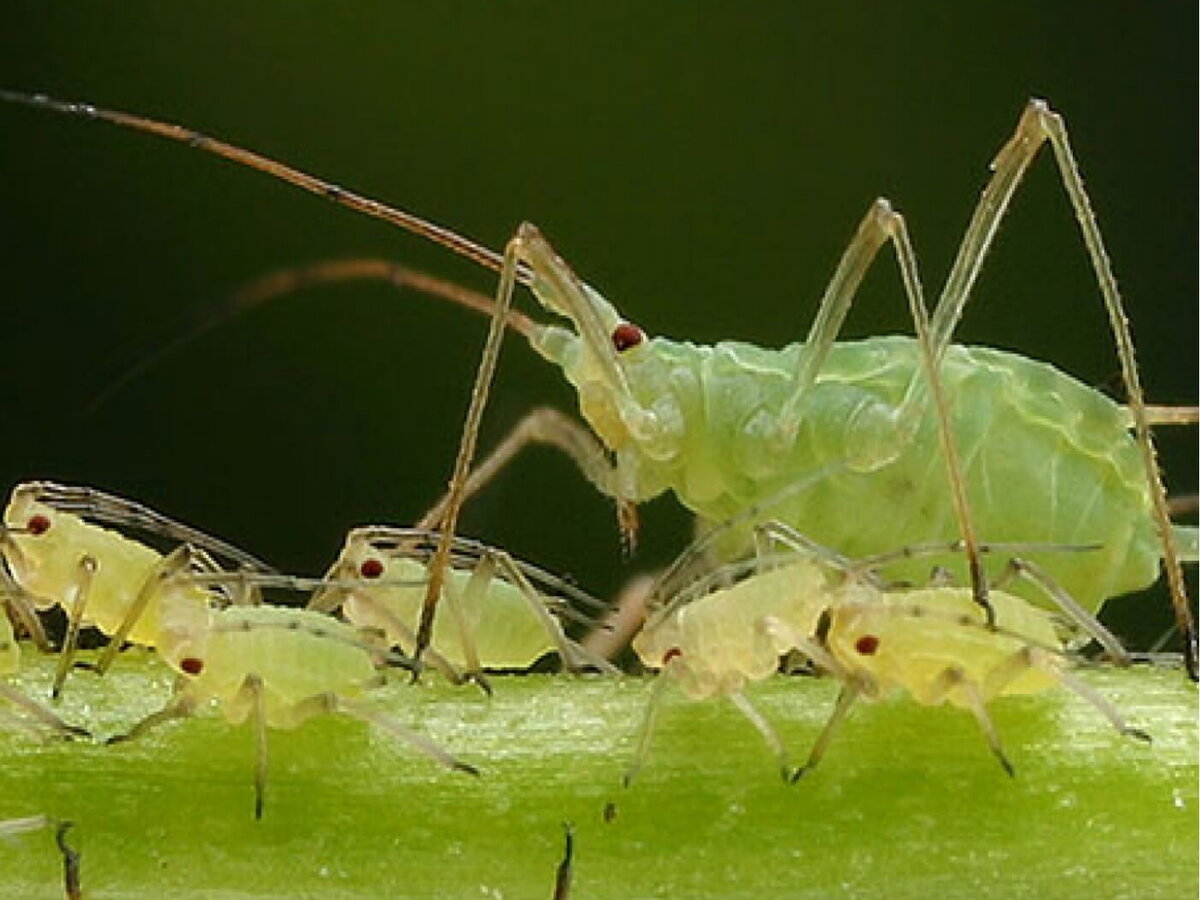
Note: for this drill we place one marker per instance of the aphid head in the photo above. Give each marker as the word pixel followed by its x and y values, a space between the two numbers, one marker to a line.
pixel 184 626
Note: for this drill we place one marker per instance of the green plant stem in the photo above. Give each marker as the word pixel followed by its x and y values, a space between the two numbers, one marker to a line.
pixel 908 802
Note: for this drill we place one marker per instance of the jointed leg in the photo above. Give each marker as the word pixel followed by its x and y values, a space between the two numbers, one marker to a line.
pixel 84 576
pixel 1039 125
pixel 179 707
pixel 543 425
pixel 1034 658
pixel 40 714
pixel 466 450
pixel 335 703
pixel 954 679
pixel 573 656
pixel 849 693
pixel 174 563
pixel 763 727
pixel 477 584
pixel 877 444
pixel 258 721
pixel 646 728
pixel 1021 568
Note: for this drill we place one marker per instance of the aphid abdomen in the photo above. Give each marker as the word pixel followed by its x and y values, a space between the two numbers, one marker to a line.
pixel 1045 459
pixel 295 653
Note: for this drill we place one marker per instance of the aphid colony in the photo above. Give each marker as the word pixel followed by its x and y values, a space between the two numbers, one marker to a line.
pixel 200 607
pixel 770 448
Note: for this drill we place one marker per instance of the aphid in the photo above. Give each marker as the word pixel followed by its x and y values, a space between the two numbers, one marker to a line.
pixel 1045 458
pixel 59 552
pixel 934 642
pixel 499 619
pixel 275 667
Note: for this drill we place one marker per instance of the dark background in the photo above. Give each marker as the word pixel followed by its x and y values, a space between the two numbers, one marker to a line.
pixel 702 164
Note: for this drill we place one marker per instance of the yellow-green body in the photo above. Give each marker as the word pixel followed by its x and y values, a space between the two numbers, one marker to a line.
pixel 916 636
pixel 1045 458
pixel 295 654
pixel 47 567
pixel 716 643
pixel 500 618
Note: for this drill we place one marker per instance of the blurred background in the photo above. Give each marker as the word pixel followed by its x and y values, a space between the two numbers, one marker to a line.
pixel 702 164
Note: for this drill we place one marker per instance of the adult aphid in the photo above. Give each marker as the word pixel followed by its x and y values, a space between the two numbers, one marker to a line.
pixel 1045 458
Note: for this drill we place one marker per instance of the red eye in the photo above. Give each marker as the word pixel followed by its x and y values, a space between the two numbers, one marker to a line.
pixel 371 568
pixel 191 665
pixel 867 644
pixel 626 335
pixel 38 525
pixel 671 654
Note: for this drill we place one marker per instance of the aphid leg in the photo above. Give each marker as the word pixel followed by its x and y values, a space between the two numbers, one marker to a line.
pixel 615 631
pixel 18 601
pixel 466 449
pixel 743 705
pixel 882 223
pixel 84 576
pixel 477 584
pixel 574 657
pixel 646 728
pixel 1022 568
pixel 1171 415
pixel 253 686
pixel 174 563
pixel 546 425
pixel 40 715
pixel 372 716
pixel 1036 658
pixel 851 688
pixel 781 532
pixel 178 707
pixel 1038 125
pixel 953 678
pixel 394 625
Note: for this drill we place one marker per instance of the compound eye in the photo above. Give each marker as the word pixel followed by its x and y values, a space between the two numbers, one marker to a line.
pixel 867 645
pixel 191 665
pixel 627 335
pixel 673 653
pixel 38 524
pixel 371 568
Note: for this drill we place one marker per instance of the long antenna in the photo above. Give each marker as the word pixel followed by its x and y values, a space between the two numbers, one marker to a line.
pixel 415 224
